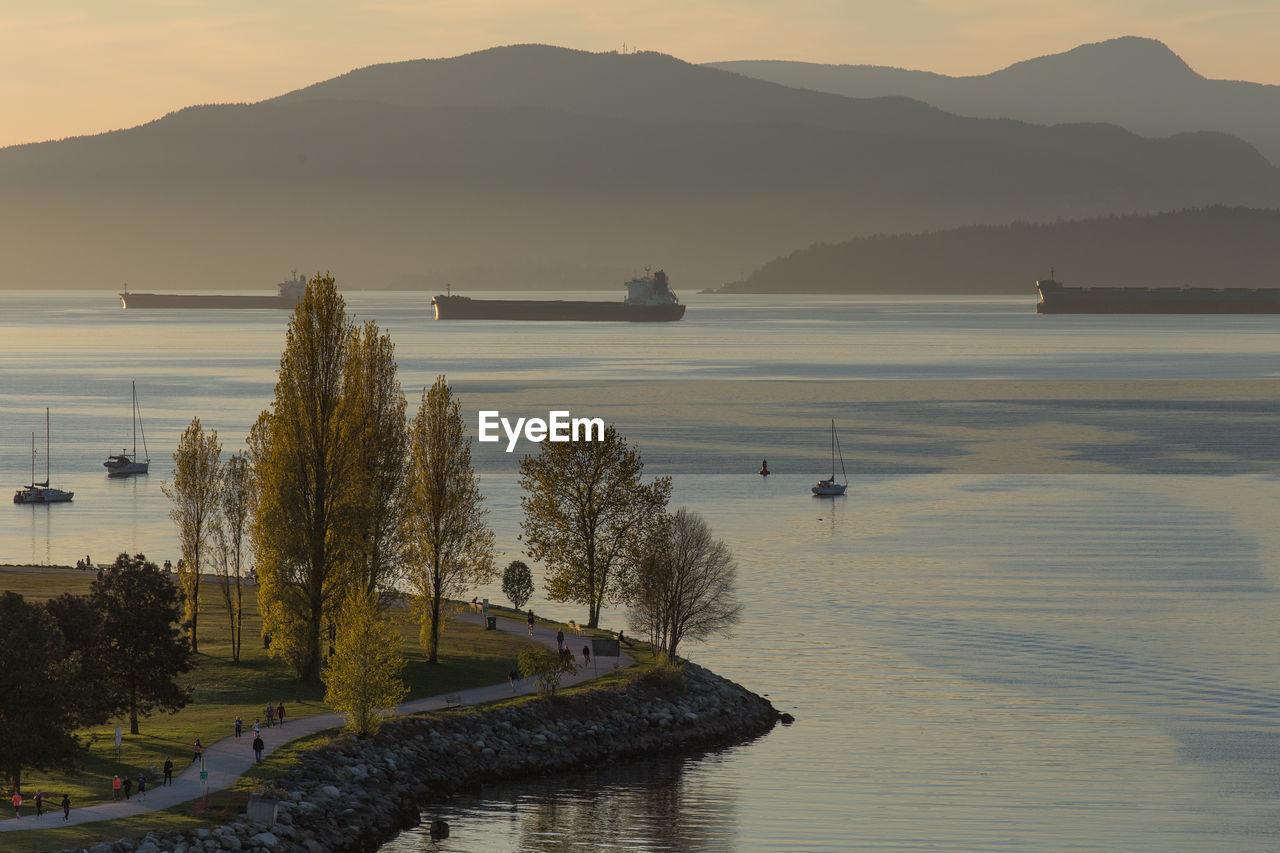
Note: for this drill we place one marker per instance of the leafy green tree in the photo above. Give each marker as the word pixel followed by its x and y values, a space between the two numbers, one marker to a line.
pixel 378 404
pixel 81 625
pixel 684 585
pixel 39 710
pixel 194 493
pixel 234 501
pixel 450 547
pixel 364 675
pixel 517 583
pixel 307 469
pixel 143 650
pixel 546 666
pixel 585 511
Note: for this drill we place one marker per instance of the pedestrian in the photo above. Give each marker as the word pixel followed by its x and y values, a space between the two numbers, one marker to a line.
pixel 66 807
pixel 168 770
pixel 271 714
pixel 127 784
pixel 142 786
pixel 586 655
pixel 239 725
pixel 17 804
pixel 280 713
pixel 560 639
pixel 258 746
pixel 115 787
pixel 39 803
pixel 530 621
pixel 199 751
pixel 257 727
pixel 513 676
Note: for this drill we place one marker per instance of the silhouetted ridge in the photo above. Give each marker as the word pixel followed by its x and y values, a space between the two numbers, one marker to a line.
pixel 478 169
pixel 1124 58
pixel 1136 83
pixel 1206 247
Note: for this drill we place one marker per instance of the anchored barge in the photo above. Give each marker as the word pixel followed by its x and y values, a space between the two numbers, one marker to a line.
pixel 1057 298
pixel 287 295
pixel 649 299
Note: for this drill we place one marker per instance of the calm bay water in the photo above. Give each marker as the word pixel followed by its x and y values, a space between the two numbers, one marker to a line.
pixel 1042 618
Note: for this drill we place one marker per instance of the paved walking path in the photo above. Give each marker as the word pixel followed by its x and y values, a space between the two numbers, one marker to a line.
pixel 227 759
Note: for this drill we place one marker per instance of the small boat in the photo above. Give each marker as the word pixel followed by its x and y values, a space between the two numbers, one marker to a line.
pixel 830 488
pixel 123 464
pixel 40 493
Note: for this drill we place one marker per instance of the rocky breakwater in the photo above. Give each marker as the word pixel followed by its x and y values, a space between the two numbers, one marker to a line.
pixel 353 795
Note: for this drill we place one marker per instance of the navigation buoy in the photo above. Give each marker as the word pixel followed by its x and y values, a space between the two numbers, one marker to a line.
pixel 764 467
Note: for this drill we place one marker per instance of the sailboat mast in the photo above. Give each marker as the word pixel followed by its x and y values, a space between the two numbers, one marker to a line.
pixel 833 448
pixel 134 386
pixel 46 446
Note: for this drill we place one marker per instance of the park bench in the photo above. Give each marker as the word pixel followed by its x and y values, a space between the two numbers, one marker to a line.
pixel 453 699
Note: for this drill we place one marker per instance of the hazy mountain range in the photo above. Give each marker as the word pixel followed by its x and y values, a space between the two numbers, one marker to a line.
pixel 1136 83
pixel 540 166
pixel 1206 247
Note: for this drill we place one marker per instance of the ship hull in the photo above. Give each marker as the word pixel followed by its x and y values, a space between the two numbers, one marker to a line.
pixel 464 308
pixel 1056 298
pixel 202 300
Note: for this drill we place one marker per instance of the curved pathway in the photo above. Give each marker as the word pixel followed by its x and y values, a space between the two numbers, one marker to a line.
pixel 227 759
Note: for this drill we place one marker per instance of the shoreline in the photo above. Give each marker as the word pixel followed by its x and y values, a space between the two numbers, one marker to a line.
pixel 355 795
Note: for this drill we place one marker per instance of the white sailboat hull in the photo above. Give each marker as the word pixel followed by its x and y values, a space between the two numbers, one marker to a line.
pixel 41 495
pixel 121 466
pixel 831 490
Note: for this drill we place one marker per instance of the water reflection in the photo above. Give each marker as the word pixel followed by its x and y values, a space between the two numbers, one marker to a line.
pixel 41 532
pixel 664 803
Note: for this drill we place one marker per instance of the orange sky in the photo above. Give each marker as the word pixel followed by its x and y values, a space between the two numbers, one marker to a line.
pixel 72 67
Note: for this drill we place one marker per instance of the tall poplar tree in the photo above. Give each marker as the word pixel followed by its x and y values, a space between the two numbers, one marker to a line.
pixel 306 462
pixel 235 495
pixel 377 402
pixel 194 493
pixel 450 547
pixel 586 510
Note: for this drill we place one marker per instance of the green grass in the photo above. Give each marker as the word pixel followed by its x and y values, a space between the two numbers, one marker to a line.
pixel 469 657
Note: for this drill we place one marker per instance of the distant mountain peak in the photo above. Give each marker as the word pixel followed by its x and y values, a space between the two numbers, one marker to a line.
pixel 1126 56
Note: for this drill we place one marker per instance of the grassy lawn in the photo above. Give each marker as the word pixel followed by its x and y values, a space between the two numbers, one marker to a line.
pixel 469 657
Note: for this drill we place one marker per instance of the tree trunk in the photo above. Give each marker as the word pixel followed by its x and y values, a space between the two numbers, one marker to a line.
pixel 195 610
pixel 237 632
pixel 433 642
pixel 310 669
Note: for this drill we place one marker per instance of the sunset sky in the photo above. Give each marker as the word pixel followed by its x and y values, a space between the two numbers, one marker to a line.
pixel 72 67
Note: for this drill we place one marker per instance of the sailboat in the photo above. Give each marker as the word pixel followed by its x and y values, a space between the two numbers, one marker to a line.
pixel 40 493
pixel 124 464
pixel 831 487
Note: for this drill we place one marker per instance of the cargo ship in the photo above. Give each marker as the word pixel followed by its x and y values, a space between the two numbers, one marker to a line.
pixel 649 299
pixel 287 295
pixel 1057 298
